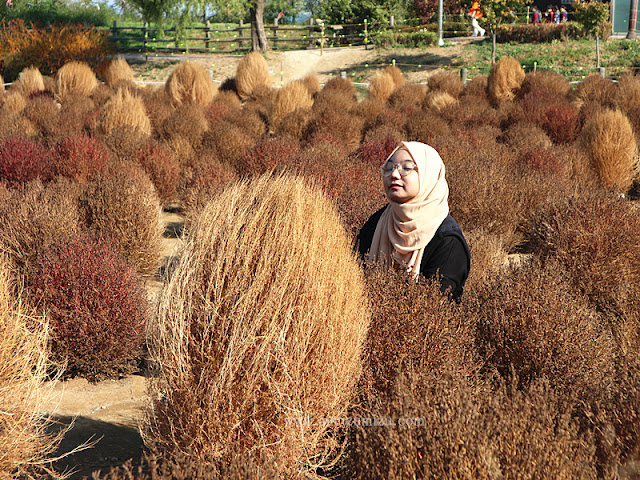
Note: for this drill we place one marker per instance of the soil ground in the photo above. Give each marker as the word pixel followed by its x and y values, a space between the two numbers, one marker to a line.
pixel 108 412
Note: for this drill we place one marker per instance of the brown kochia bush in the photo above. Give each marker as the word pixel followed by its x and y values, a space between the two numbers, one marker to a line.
pixel 597 239
pixel 29 81
pixel 505 80
pixel 123 110
pixel 251 74
pixel 26 445
pixel 447 82
pixel 34 217
pixel 248 345
pixel 75 78
pixel 190 83
pixel 382 86
pixel 609 139
pixel 96 306
pixel 117 71
pixel 531 325
pixel 124 207
pixel 294 96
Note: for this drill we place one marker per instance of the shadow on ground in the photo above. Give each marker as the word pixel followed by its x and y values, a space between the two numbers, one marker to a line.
pixel 115 445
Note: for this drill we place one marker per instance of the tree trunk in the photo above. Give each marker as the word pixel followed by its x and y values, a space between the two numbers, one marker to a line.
pixel 258 35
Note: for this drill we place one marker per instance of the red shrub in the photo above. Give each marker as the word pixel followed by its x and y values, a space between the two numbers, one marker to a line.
pixel 268 155
pixel 217 111
pixel 80 157
pixel 96 308
pixel 162 167
pixel 375 151
pixel 23 160
pixel 544 160
pixel 562 122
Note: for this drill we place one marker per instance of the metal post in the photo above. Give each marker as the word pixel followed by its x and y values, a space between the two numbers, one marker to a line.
pixel 463 74
pixel 392 21
pixel 240 25
pixel 321 38
pixel 145 35
pixel 440 13
pixel 207 34
pixel 366 35
pixel 601 71
pixel 597 51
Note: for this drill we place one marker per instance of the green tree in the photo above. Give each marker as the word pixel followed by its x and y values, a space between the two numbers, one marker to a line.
pixel 593 16
pixel 356 11
pixel 497 12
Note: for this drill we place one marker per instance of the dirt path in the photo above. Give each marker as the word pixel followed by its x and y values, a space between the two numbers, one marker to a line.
pixel 359 63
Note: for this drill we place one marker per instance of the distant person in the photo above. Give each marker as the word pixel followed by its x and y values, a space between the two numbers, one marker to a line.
pixel 9 3
pixel 414 231
pixel 563 15
pixel 549 14
pixel 556 15
pixel 475 12
pixel 536 15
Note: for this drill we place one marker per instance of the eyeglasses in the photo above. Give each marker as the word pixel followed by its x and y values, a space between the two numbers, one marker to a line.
pixel 404 168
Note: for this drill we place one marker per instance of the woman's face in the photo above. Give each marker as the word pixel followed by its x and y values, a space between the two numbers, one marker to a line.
pixel 399 188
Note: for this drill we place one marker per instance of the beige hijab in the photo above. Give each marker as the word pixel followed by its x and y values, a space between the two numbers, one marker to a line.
pixel 404 229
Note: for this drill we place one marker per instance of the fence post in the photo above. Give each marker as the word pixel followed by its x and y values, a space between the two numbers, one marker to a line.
pixel 321 38
pixel 207 34
pixel 597 51
pixel 601 71
pixel 366 35
pixel 114 32
pixel 275 33
pixel 175 36
pixel 392 21
pixel 463 74
pixel 239 29
pixel 145 35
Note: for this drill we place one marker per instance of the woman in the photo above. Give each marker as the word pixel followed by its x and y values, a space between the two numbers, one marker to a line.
pixel 475 12
pixel 415 231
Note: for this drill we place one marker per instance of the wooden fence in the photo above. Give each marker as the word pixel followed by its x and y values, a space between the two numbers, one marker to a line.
pixel 228 40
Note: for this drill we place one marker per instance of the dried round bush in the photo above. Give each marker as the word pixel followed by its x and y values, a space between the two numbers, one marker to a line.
pixel 122 205
pixel 14 126
pixel 345 128
pixel 72 118
pixel 252 73
pixel 190 83
pixel 336 98
pixel 376 150
pixel 533 107
pixel 117 71
pixel 488 255
pixel 446 82
pixel 271 154
pixel 370 109
pixel 29 81
pixel 34 217
pixel 293 96
pixel 523 137
pixel 295 124
pixel 440 425
pixel 531 324
pixel 409 94
pixel 1 85
pixel 596 89
pixel 250 120
pixel 477 87
pixel 230 99
pixel 163 169
pixel 227 140
pixel 562 122
pixel 424 126
pixel 546 81
pixel 595 236
pixel 123 142
pixel 382 132
pixel 437 100
pixel 247 343
pixel 470 111
pixel 396 74
pixel 312 83
pixel 423 332
pixel 158 107
pixel 75 78
pixel 382 86
pixel 14 102
pixel 95 305
pixel 124 111
pixel 505 80
pixel 344 85
pixel 25 431
pixel 40 110
pixel 627 95
pixel 204 177
pixel 189 121
pixel 609 139
pixel 80 158
pixel 22 161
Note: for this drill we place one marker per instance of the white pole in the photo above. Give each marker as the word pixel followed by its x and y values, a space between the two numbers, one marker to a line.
pixel 440 41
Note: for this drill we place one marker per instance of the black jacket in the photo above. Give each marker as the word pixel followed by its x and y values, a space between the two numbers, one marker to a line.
pixel 447 253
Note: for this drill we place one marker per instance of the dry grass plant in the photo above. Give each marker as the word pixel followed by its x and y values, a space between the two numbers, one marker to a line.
pixel 408 94
pixel 523 137
pixel 424 126
pixel 29 81
pixel 124 111
pixel 505 80
pixel 397 75
pixel 596 89
pixel 446 82
pixel 611 143
pixel 293 96
pixel 190 83
pixel 34 217
pixel 14 102
pixel 75 78
pixel 312 83
pixel 117 71
pixel 27 444
pixel 15 125
pixel 248 346
pixel 437 100
pixel 382 86
pixel 189 121
pixel 477 87
pixel 546 81
pixel 252 73
pixel 123 206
